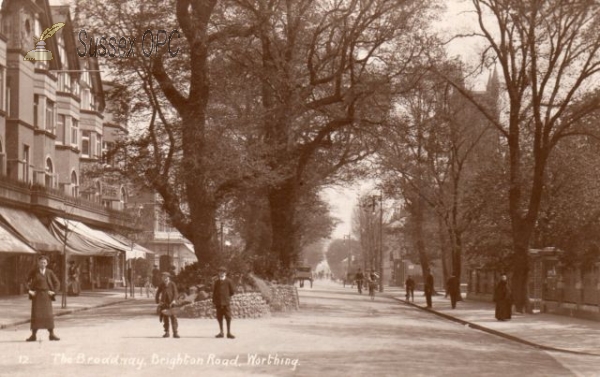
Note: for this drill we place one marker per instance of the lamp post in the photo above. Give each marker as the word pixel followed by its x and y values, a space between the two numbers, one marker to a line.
pixel 380 241
pixel 64 274
pixel 349 244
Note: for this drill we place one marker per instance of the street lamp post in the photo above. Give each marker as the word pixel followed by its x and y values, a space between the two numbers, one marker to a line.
pixel 381 241
pixel 348 237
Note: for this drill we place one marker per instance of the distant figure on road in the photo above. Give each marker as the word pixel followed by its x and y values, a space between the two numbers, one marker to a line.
pixel 503 299
pixel 222 293
pixel 410 288
pixel 166 295
pixel 453 289
pixel 373 277
pixel 359 277
pixel 73 285
pixel 428 288
pixel 42 284
pixel 148 287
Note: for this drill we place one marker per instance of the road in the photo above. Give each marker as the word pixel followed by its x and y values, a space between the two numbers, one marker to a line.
pixel 335 333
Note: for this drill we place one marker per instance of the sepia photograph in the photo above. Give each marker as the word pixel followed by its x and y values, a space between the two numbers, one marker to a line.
pixel 232 188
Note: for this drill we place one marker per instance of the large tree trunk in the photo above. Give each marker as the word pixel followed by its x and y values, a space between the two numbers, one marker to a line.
pixel 282 201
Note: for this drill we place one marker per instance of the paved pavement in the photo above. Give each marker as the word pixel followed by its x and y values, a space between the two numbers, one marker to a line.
pixel 544 331
pixel 16 310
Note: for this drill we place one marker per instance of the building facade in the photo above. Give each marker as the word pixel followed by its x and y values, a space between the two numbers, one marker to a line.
pixel 55 126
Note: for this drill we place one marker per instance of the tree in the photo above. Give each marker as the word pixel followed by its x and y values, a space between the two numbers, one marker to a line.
pixel 311 78
pixel 173 153
pixel 323 69
pixel 548 56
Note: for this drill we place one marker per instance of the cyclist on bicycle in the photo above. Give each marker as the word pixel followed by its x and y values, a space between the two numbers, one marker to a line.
pixel 359 277
pixel 372 284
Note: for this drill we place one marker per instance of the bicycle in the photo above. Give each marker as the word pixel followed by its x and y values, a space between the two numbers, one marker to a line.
pixel 372 287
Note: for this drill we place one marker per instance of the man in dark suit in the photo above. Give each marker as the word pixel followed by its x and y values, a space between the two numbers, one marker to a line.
pixel 429 288
pixel 222 292
pixel 166 294
pixel 42 284
pixel 453 289
pixel 410 288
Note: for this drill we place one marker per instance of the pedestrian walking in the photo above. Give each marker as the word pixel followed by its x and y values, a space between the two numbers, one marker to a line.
pixel 73 287
pixel 166 294
pixel 372 281
pixel 222 292
pixel 148 287
pixel 409 284
pixel 429 288
pixel 503 299
pixel 42 284
pixel 360 278
pixel 453 290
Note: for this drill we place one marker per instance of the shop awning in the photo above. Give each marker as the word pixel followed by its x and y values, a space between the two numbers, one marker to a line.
pixel 10 243
pixel 134 250
pixel 83 240
pixel 30 229
pixel 191 254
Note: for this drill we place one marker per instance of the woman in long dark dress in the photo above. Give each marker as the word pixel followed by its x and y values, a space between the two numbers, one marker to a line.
pixel 74 287
pixel 43 284
pixel 503 299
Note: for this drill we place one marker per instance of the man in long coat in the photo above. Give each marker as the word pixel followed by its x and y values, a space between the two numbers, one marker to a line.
pixel 42 284
pixel 222 292
pixel 453 290
pixel 429 288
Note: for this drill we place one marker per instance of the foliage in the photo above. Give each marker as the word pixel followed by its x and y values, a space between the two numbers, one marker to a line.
pixel 338 253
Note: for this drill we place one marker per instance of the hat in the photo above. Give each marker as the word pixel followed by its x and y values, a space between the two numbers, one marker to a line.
pixel 166 274
pixel 222 269
pixel 42 257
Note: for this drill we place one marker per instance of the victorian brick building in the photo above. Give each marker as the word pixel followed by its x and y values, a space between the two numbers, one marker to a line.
pixel 56 124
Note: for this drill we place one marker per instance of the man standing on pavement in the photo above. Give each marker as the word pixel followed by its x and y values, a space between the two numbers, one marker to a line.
pixel 428 288
pixel 222 292
pixel 359 277
pixel 410 288
pixel 166 294
pixel 453 289
pixel 42 284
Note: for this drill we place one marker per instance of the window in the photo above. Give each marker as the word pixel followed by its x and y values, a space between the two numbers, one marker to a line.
pixel 26 163
pixel 2 88
pixel 85 143
pixel 75 88
pixel 49 172
pixel 63 56
pixel 50 121
pixel 36 107
pixel 107 155
pixel 7 96
pixel 74 185
pixel 74 132
pixel 64 82
pixel 60 129
pixel 98 146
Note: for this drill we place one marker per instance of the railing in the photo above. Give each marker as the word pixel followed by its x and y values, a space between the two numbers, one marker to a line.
pixel 31 188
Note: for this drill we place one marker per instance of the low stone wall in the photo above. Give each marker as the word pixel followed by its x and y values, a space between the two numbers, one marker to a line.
pixel 281 298
pixel 284 298
pixel 243 305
